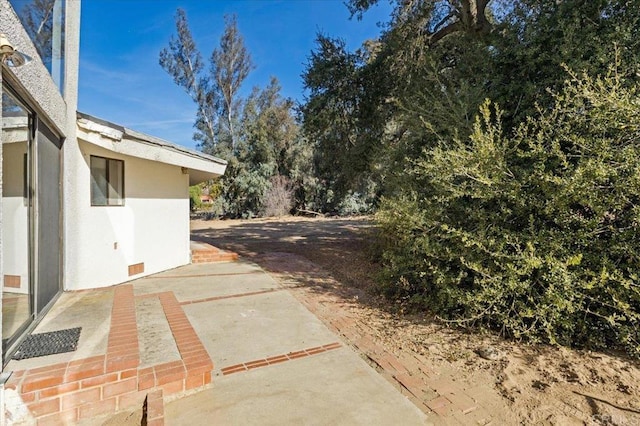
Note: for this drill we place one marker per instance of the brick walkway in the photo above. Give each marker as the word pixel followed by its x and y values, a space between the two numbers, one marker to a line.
pixel 83 388
pixel 452 402
pixel 65 393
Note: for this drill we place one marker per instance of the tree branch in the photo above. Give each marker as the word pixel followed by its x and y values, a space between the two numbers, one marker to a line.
pixel 443 21
pixel 445 31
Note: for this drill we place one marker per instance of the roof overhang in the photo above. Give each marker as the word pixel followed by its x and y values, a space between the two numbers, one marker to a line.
pixel 200 167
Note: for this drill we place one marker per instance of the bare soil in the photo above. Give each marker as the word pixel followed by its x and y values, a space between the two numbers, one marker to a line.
pixel 521 383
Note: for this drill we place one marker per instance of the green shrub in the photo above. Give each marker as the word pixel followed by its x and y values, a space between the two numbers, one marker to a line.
pixel 534 234
pixel 195 192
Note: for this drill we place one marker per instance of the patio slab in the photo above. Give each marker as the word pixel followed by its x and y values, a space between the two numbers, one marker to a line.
pixel 154 334
pixel 271 359
pixel 90 310
pixel 198 282
pixel 332 388
pixel 244 329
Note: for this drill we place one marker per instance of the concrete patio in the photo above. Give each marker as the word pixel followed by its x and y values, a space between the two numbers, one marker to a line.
pixel 219 343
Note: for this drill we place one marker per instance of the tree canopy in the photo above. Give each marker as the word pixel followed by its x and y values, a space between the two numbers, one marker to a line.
pixel 496 140
pixel 257 135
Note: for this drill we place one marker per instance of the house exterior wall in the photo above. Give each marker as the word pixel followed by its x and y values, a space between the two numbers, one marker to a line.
pixel 151 228
pixel 71 154
pixel 15 227
pixel 34 83
pixel 36 86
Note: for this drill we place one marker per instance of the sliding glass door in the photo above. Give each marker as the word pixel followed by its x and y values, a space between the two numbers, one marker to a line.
pixel 31 219
pixel 48 216
pixel 17 260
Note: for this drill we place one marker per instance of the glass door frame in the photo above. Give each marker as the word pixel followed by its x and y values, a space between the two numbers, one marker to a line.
pixel 10 343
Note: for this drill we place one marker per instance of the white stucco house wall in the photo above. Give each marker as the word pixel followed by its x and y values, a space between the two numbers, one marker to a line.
pixel 149 232
pixel 85 203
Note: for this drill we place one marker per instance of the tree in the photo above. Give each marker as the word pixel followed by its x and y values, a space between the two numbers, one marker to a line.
pixel 231 64
pixel 539 37
pixel 267 148
pixel 343 117
pixel 215 91
pixel 436 18
pixel 183 61
pixel 258 136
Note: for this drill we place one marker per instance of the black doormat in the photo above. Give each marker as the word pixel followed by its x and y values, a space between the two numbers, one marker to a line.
pixel 53 342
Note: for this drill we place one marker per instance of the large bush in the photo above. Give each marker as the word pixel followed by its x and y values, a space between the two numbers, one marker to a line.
pixel 535 233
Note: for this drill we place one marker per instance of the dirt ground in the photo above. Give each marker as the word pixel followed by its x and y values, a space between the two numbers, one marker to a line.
pixel 520 383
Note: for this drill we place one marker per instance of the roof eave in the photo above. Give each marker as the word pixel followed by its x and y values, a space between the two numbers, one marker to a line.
pixel 199 166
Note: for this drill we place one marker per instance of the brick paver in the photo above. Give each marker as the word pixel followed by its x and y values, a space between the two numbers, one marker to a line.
pixel 64 393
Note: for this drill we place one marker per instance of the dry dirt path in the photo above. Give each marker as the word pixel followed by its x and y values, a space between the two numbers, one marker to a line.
pixel 325 265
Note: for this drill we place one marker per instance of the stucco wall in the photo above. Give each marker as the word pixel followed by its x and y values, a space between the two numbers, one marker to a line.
pixel 15 231
pixel 71 175
pixel 151 228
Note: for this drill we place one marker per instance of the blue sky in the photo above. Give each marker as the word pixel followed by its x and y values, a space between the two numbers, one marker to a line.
pixel 121 80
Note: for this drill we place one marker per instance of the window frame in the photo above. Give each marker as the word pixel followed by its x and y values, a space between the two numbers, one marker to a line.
pixel 107 160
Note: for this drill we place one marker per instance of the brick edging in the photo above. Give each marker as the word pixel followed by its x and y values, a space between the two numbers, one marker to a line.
pixel 250 365
pixel 123 350
pixel 153 409
pixel 102 384
pixel 230 296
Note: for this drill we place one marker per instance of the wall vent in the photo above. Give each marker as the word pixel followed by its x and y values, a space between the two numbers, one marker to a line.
pixel 12 281
pixel 136 269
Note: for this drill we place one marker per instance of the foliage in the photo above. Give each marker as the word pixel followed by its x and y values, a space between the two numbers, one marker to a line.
pixel 436 18
pixel 268 145
pixel 522 218
pixel 195 203
pixel 538 37
pixel 214 90
pixel 534 233
pixel 258 136
pixel 232 64
pixel 344 120
pixel 278 199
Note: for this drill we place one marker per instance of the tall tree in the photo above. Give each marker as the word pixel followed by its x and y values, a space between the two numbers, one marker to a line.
pixel 231 64
pixel 268 146
pixel 216 90
pixel 342 115
pixel 183 61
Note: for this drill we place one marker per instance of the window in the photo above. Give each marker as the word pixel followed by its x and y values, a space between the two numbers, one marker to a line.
pixel 107 182
pixel 44 21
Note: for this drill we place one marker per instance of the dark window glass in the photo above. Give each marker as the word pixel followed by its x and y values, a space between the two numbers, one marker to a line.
pixel 44 22
pixel 107 182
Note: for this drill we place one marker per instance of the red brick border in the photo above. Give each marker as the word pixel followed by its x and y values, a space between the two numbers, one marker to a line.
pixel 245 366
pixel 154 409
pixel 230 274
pixel 231 296
pixel 212 254
pixel 123 351
pixel 196 360
pixel 70 391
